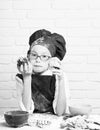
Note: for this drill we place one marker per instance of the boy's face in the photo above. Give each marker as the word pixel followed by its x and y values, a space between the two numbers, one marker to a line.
pixel 39 57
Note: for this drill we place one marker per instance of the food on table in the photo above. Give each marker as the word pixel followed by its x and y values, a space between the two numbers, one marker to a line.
pixel 75 122
pixel 42 123
pixel 39 120
pixel 78 123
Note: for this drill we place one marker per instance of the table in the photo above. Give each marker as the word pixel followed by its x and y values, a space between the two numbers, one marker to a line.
pixel 55 122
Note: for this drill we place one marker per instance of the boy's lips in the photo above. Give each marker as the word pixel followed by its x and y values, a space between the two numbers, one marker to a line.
pixel 37 66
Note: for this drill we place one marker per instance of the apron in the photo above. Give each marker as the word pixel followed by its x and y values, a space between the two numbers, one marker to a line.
pixel 43 92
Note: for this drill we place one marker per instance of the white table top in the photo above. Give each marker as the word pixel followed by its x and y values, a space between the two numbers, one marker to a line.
pixel 55 122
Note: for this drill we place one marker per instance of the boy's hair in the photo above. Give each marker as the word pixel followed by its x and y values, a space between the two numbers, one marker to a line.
pixel 53 41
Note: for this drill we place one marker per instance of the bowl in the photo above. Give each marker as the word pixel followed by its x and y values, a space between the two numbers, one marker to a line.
pixel 80 110
pixel 16 118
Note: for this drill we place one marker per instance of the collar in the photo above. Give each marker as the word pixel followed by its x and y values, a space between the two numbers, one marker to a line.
pixel 47 72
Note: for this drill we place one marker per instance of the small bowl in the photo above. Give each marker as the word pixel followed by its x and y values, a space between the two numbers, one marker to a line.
pixel 16 118
pixel 80 110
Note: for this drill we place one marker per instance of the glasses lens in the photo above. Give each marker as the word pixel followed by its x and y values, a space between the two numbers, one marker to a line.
pixel 33 55
pixel 44 57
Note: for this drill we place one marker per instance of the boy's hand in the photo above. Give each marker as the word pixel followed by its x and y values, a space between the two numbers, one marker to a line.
pixel 24 66
pixel 55 67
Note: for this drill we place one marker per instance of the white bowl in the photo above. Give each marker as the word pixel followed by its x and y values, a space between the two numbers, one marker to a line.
pixel 80 110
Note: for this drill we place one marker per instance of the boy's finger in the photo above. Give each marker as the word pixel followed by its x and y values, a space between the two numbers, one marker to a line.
pixel 55 70
pixel 21 69
pixel 25 60
pixel 25 67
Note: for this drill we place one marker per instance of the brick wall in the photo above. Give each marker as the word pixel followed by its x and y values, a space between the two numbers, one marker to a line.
pixel 77 20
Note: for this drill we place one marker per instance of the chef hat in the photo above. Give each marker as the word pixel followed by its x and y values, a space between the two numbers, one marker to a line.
pixel 47 42
pixel 55 42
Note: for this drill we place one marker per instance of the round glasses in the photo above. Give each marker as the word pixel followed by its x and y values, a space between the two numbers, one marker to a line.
pixel 34 56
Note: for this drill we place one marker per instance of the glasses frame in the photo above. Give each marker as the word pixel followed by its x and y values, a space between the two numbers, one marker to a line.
pixel 40 56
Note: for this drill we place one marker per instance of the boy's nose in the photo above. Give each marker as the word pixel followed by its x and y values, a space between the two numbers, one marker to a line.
pixel 38 59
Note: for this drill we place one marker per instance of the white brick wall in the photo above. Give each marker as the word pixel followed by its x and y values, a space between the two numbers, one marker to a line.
pixel 77 20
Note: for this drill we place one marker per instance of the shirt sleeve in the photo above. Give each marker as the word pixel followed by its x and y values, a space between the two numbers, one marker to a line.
pixel 19 89
pixel 67 91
